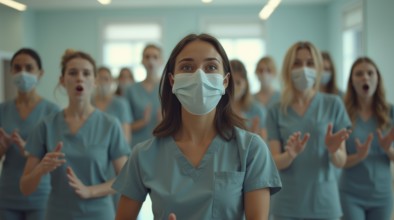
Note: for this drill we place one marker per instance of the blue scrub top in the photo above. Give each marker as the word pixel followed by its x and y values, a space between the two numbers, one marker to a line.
pixel 255 110
pixel 309 184
pixel 213 190
pixel 14 163
pixel 120 109
pixel 275 98
pixel 370 180
pixel 139 99
pixel 89 153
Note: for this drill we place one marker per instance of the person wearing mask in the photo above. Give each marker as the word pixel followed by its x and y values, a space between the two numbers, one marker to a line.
pixel 328 79
pixel 244 104
pixel 366 182
pixel 307 132
pixel 200 164
pixel 105 100
pixel 77 147
pixel 266 73
pixel 143 96
pixel 18 118
pixel 125 80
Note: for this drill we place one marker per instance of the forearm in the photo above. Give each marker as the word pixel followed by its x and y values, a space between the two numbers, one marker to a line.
pixel 102 189
pixel 30 181
pixel 390 153
pixel 352 160
pixel 283 160
pixel 137 125
pixel 338 158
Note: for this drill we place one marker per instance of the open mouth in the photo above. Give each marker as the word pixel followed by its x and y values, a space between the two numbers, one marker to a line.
pixel 365 87
pixel 79 88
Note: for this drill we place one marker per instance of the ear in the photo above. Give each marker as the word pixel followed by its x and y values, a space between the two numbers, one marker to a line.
pixel 226 80
pixel 171 78
pixel 61 80
pixel 40 74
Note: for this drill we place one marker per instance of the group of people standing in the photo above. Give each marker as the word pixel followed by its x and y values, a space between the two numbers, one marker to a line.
pixel 197 141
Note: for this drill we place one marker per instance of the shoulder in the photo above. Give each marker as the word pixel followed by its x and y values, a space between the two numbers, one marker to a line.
pixel 6 104
pixel 153 149
pixel 247 140
pixel 104 117
pixel 50 105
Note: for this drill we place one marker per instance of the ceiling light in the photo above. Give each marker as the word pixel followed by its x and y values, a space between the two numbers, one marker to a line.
pixel 268 9
pixel 206 1
pixel 104 2
pixel 13 4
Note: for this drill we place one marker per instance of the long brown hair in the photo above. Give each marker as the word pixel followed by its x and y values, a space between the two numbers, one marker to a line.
pixel 380 106
pixel 237 67
pixel 331 86
pixel 225 119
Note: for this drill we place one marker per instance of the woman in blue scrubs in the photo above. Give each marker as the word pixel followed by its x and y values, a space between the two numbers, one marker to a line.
pixel 244 104
pixel 266 74
pixel 307 133
pixel 143 96
pixel 105 100
pixel 18 117
pixel 366 182
pixel 77 147
pixel 328 79
pixel 199 165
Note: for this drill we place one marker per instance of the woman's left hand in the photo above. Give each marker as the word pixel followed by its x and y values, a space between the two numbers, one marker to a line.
pixel 386 141
pixel 79 188
pixel 333 141
pixel 19 142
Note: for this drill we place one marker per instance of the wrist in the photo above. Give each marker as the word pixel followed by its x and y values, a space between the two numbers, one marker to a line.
pixel 291 155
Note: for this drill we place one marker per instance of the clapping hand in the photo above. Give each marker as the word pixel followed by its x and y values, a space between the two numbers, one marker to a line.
pixel 386 141
pixel 363 148
pixel 334 141
pixel 79 188
pixel 52 160
pixel 295 145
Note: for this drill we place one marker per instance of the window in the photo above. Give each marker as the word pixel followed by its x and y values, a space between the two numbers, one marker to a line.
pixel 242 40
pixel 352 39
pixel 123 44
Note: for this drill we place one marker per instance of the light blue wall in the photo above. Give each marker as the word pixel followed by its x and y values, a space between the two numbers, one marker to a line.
pixel 380 39
pixel 80 29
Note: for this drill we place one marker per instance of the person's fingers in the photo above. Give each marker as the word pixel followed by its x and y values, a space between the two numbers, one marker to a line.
pixel 305 139
pixel 369 140
pixel 329 129
pixel 59 147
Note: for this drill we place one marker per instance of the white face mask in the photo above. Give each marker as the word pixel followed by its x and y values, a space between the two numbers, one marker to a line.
pixel 199 93
pixel 325 78
pixel 25 81
pixel 104 89
pixel 303 78
pixel 266 80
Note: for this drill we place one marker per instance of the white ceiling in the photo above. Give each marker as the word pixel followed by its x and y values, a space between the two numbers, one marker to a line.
pixel 74 4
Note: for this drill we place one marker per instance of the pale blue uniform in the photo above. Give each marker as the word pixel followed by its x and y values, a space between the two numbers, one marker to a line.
pixel 213 190
pixel 11 198
pixel 89 153
pixel 139 99
pixel 366 188
pixel 310 188
pixel 120 109
pixel 255 110
pixel 275 98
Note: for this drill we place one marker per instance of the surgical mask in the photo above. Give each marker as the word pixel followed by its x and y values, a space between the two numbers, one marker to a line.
pixel 266 80
pixel 25 81
pixel 303 78
pixel 199 93
pixel 104 89
pixel 325 78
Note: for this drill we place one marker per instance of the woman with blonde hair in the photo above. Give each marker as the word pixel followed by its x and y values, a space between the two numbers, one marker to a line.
pixel 366 184
pixel 307 133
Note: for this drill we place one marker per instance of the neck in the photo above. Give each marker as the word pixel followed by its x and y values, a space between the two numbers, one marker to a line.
pixel 27 97
pixel 80 109
pixel 365 104
pixel 266 90
pixel 304 97
pixel 197 128
pixel 103 98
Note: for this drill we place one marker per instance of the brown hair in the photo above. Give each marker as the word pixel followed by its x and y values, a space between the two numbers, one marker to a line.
pixel 70 54
pixel 270 63
pixel 239 68
pixel 225 119
pixel 331 86
pixel 154 46
pixel 32 53
pixel 380 106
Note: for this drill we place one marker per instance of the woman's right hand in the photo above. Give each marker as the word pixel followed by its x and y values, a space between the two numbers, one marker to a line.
pixel 172 216
pixel 52 160
pixel 5 139
pixel 295 145
pixel 363 148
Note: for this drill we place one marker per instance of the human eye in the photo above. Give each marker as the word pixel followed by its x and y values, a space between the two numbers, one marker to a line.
pixel 87 73
pixel 297 63
pixel 72 72
pixel 29 68
pixel 17 68
pixel 211 68
pixel 186 68
pixel 358 73
pixel 310 63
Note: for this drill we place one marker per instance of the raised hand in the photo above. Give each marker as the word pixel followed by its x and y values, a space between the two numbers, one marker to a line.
pixel 172 216
pixel 52 160
pixel 333 141
pixel 363 148
pixel 386 141
pixel 295 145
pixel 5 139
pixel 19 142
pixel 80 189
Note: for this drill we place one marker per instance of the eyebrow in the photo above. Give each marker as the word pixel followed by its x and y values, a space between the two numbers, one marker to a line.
pixel 207 59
